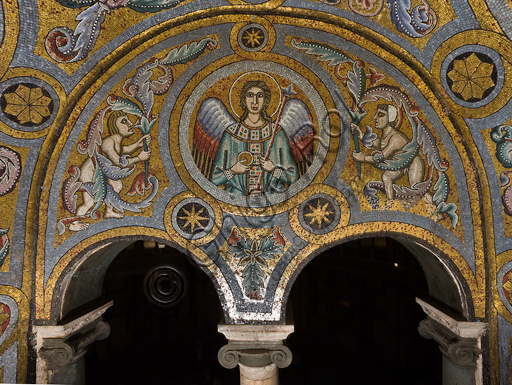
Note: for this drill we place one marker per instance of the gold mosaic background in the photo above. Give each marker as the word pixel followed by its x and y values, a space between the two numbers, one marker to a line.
pixel 449 83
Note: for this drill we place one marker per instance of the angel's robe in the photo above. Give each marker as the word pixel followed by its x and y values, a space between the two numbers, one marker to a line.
pixel 238 138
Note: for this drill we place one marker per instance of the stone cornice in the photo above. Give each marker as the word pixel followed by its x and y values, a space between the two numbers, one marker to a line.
pixel 460 328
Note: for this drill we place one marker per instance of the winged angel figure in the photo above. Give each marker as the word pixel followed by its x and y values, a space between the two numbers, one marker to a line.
pixel 254 156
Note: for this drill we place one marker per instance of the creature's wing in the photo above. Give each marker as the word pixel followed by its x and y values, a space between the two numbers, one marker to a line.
pixel 94 132
pixel 152 5
pixel 76 3
pixel 298 124
pixel 212 119
pixel 429 147
pixel 391 94
pixel 111 171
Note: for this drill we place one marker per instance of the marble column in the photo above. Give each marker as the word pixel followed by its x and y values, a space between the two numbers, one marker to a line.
pixel 459 341
pixel 61 348
pixel 258 350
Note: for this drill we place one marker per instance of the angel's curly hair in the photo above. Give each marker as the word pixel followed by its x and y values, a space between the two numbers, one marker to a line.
pixel 266 98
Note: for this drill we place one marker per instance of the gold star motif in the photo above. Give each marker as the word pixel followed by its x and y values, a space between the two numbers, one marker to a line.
pixel 318 214
pixel 253 38
pixel 193 218
pixel 471 77
pixel 29 105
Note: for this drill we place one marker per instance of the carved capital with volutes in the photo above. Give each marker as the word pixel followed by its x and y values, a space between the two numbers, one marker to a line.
pixel 255 355
pixel 60 352
pixel 462 351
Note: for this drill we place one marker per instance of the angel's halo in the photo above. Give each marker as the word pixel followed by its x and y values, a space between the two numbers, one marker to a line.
pixel 257 75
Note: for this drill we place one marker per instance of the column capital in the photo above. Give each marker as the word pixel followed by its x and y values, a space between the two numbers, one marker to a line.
pixel 60 349
pixel 453 322
pixel 458 339
pixel 256 333
pixel 254 355
pixel 462 351
pixel 255 345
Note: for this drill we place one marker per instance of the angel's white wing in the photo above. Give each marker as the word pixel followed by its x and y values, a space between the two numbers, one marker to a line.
pixel 212 119
pixel 298 124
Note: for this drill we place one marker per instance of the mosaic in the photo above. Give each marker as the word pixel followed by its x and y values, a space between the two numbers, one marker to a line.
pixel 66 45
pixel 254 135
pixel 110 160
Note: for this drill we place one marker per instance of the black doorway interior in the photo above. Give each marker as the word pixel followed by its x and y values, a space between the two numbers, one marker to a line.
pixel 151 344
pixel 356 319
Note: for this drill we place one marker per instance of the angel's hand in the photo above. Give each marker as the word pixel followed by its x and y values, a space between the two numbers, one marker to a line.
pixel 267 165
pixel 239 168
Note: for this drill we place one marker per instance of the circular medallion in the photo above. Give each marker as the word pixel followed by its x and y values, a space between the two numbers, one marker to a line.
pixel 472 75
pixel 164 286
pixel 320 214
pixel 192 218
pixel 270 115
pixel 27 104
pixel 253 37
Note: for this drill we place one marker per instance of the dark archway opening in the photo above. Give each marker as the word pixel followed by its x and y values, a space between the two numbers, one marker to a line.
pixel 154 344
pixel 356 319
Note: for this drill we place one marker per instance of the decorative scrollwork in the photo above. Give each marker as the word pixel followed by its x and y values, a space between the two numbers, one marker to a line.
pixel 10 169
pixel 58 356
pixel 228 357
pixel 164 286
pixel 462 354
pixel 255 354
pixel 282 357
pixel 462 351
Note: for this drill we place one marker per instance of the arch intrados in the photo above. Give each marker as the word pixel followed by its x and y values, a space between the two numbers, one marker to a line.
pixel 446 270
pixel 72 291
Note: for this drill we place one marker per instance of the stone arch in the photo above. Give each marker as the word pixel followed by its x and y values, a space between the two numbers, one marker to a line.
pixel 80 282
pixel 83 261
pixel 445 281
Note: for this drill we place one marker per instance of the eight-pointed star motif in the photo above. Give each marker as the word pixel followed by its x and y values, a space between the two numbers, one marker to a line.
pixel 319 214
pixel 28 105
pixel 254 38
pixel 192 218
pixel 471 77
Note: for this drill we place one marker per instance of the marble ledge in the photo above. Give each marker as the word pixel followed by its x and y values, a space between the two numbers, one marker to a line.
pixel 460 327
pixel 65 330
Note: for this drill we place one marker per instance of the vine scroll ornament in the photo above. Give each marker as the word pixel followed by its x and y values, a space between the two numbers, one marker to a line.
pixel 65 45
pixel 103 170
pixel 364 89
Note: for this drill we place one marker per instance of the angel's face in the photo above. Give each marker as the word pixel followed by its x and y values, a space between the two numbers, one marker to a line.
pixel 124 125
pixel 254 100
